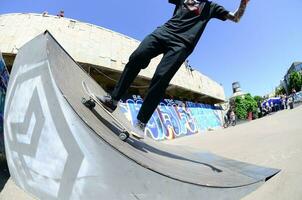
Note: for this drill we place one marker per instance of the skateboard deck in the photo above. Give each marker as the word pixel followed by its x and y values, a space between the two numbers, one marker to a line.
pixel 92 101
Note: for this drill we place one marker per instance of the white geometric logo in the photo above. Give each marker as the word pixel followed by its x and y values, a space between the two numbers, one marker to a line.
pixel 34 129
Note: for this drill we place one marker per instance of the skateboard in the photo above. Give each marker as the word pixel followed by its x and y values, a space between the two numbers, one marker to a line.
pixel 92 101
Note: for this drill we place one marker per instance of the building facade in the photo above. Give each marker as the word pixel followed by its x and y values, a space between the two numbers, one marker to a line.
pixel 103 53
pixel 295 67
pixel 190 104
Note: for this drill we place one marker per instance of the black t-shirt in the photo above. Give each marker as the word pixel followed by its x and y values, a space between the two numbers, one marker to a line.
pixel 191 17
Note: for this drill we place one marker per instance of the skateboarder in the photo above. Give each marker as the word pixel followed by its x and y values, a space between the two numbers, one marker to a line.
pixel 176 40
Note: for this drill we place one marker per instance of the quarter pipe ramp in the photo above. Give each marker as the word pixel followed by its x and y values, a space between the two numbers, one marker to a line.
pixel 56 148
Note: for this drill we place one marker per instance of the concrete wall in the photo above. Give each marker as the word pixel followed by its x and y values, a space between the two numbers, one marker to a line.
pixel 94 45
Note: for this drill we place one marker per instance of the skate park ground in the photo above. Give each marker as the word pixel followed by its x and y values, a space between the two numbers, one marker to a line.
pixel 272 141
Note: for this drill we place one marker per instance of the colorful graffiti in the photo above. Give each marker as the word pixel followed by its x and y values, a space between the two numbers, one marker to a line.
pixel 174 118
pixel 3 85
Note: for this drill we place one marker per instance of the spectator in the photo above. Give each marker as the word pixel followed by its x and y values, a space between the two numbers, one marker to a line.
pixel 61 13
pixel 283 102
pixel 232 116
pixel 272 107
pixel 293 94
pixel 264 111
pixel 267 107
pixel 188 66
pixel 291 101
pixel 45 13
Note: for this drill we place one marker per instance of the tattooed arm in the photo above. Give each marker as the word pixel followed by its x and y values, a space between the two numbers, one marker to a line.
pixel 236 16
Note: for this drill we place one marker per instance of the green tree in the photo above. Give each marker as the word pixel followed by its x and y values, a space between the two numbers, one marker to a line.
pixel 240 108
pixel 295 81
pixel 244 105
pixel 258 98
pixel 251 103
pixel 280 90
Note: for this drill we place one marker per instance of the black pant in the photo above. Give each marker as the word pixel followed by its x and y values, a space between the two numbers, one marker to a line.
pixel 174 52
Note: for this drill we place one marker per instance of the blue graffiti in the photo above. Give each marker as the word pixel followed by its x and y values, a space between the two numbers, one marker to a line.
pixel 174 118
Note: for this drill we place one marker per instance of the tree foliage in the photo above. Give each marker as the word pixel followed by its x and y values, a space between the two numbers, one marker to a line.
pixel 258 98
pixel 280 91
pixel 295 81
pixel 244 105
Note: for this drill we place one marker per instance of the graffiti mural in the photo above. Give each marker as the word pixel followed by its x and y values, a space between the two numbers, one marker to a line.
pixel 174 118
pixel 3 85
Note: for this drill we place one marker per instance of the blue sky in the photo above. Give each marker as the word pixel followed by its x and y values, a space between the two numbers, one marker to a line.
pixel 256 52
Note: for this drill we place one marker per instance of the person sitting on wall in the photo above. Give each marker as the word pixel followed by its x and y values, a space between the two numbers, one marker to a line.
pixel 61 13
pixel 45 14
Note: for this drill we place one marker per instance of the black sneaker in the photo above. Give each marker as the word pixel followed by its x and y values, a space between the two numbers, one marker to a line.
pixel 108 103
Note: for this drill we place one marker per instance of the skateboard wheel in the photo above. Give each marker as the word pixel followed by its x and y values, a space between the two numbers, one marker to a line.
pixel 124 136
pixel 83 100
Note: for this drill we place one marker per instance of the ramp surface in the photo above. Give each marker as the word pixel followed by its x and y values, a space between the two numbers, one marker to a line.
pixel 46 123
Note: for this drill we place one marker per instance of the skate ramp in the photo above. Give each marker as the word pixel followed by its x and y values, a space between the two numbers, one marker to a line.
pixel 58 149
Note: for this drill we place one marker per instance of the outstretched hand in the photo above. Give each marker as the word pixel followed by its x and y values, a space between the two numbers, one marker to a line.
pixel 236 16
